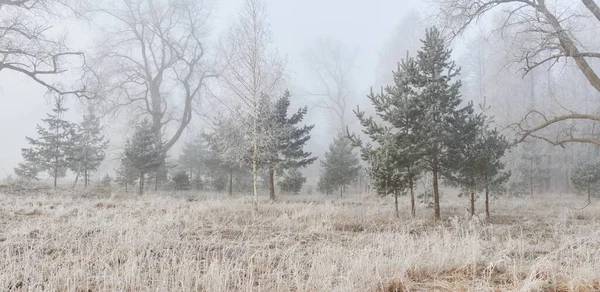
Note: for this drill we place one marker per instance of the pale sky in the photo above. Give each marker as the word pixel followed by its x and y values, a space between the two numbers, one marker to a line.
pixel 359 24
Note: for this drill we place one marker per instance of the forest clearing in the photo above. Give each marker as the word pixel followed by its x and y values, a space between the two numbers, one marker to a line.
pixel 268 145
pixel 191 242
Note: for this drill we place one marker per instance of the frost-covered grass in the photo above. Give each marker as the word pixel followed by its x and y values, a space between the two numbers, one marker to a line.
pixel 187 242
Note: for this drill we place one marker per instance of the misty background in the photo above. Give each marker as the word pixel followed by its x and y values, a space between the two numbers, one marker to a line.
pixel 371 36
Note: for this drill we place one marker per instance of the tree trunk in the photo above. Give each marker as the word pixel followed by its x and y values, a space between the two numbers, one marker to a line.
pixel 531 186
pixel 589 193
pixel 472 203
pixel 141 190
pixel 230 182
pixel 156 180
pixel 341 191
pixel 413 211
pixel 86 179
pixel 531 179
pixel 255 162
pixel 271 184
pixel 55 176
pixel 396 204
pixel 487 202
pixel 254 183
pixel 436 191
pixel 76 180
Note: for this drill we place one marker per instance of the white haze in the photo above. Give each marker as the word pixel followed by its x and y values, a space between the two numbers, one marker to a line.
pixel 364 26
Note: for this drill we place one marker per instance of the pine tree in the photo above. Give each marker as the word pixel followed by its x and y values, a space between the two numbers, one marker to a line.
pixel 389 173
pixel 181 179
pixel 142 152
pixel 491 171
pixel 283 138
pixel 126 175
pixel 324 185
pixel 193 157
pixel 106 181
pixel 586 178
pixel 292 181
pixel 227 158
pixel 87 152
pixel 29 169
pixel 50 152
pixel 463 156
pixel 394 165
pixel 422 117
pixel 340 166
pixel 438 104
pixel 474 158
pixel 531 174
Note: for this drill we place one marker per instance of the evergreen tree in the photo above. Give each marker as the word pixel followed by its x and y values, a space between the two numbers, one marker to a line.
pixel 438 105
pixel 142 152
pixel 475 158
pixel 586 178
pixel 50 152
pixel 126 175
pixel 422 118
pixel 106 181
pixel 181 180
pixel 87 152
pixel 531 174
pixel 340 166
pixel 284 138
pixel 394 165
pixel 463 156
pixel 29 169
pixel 292 181
pixel 193 156
pixel 491 168
pixel 226 162
pixel 324 185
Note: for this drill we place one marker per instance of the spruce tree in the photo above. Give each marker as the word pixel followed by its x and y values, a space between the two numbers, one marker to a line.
pixel 340 166
pixel 142 152
pixel 282 145
pixel 50 151
pixel 87 151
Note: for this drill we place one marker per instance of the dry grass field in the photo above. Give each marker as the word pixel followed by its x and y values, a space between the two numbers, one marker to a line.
pixel 190 242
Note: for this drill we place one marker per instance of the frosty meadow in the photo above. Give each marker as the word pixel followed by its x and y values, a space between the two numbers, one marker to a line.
pixel 261 145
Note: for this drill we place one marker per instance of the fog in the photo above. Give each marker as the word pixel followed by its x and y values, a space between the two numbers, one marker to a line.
pixel 361 26
pixel 369 38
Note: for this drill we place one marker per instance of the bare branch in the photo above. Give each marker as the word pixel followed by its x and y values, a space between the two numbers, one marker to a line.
pixel 152 58
pixel 28 47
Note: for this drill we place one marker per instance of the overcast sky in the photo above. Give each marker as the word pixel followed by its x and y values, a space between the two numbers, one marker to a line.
pixel 359 24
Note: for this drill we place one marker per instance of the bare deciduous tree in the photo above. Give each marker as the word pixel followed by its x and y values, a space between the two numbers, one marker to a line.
pixel 29 46
pixel 152 60
pixel 331 67
pixel 555 34
pixel 255 70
